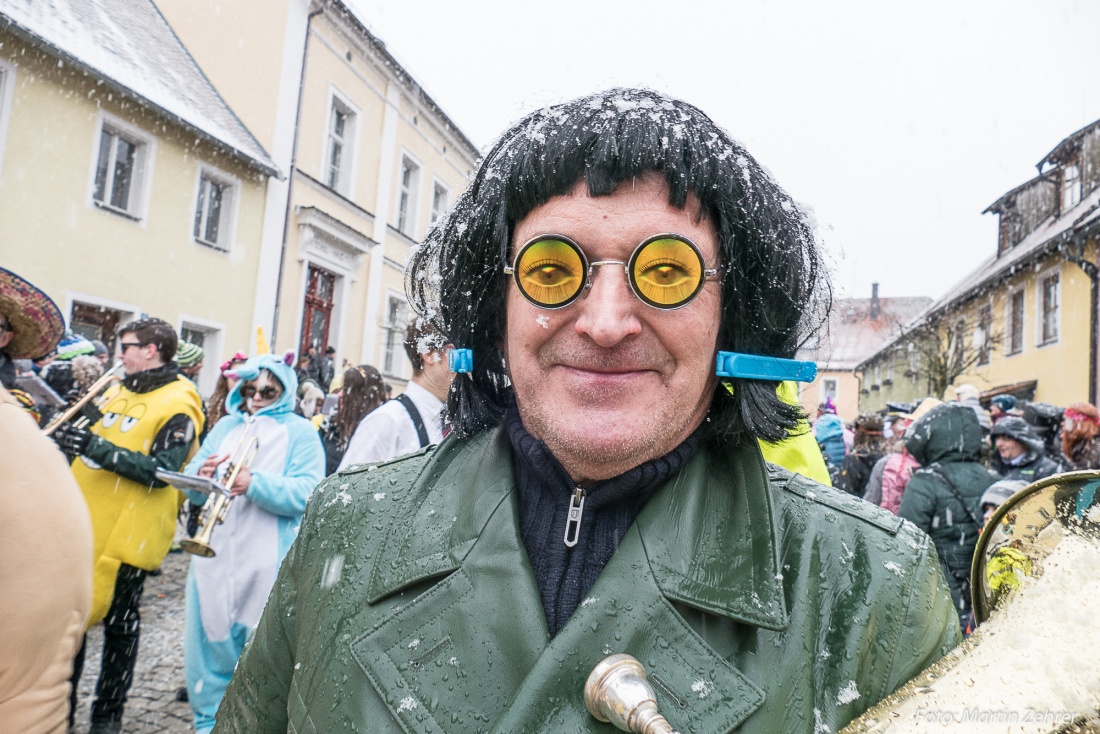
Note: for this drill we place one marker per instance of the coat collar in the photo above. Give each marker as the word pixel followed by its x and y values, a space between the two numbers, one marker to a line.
pixel 709 535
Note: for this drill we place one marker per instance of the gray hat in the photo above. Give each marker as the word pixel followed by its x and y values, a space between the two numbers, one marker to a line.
pixel 997 494
pixel 100 347
pixel 1017 428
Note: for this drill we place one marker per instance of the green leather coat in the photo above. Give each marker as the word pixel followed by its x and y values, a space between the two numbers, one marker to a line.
pixel 757 600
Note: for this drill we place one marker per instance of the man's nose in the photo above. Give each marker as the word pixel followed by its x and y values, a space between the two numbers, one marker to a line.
pixel 608 309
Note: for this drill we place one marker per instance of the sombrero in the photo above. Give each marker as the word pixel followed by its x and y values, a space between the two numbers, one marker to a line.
pixel 33 316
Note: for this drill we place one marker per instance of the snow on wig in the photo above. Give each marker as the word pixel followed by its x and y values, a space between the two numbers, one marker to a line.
pixel 775 288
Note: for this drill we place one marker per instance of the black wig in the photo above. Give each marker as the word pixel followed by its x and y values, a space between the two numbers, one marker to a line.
pixel 775 288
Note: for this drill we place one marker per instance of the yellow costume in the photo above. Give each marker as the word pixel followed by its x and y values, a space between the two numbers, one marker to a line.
pixel 132 523
pixel 798 452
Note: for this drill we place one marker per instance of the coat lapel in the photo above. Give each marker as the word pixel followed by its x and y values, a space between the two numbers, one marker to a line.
pixel 456 654
pixel 697 690
pixel 472 653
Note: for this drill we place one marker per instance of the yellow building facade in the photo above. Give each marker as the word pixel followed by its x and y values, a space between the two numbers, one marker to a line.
pixel 116 206
pixel 1024 321
pixel 373 159
pixel 1049 348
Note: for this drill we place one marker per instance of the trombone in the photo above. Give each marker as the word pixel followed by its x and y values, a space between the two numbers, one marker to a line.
pixel 106 380
pixel 217 504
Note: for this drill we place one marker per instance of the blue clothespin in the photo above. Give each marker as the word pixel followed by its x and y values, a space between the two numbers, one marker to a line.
pixel 758 367
pixel 461 360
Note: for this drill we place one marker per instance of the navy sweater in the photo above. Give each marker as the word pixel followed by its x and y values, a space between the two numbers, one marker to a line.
pixel 565 574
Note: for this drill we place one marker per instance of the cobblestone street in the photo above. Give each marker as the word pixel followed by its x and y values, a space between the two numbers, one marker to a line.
pixel 152 705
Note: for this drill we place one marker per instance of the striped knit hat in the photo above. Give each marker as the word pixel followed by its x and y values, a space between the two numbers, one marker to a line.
pixel 188 355
pixel 73 345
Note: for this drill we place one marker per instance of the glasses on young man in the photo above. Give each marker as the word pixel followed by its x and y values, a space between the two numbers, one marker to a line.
pixel 665 271
pixel 123 346
pixel 267 393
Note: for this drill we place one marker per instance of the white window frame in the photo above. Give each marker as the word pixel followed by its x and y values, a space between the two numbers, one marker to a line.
pixel 407 196
pixel 231 202
pixel 439 187
pixel 392 343
pixel 144 159
pixel 1071 187
pixel 825 389
pixel 213 346
pixel 7 85
pixel 1009 295
pixel 1040 316
pixel 913 357
pixel 345 183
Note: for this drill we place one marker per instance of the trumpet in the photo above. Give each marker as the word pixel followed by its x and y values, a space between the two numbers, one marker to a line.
pixel 94 392
pixel 617 692
pixel 1030 665
pixel 217 504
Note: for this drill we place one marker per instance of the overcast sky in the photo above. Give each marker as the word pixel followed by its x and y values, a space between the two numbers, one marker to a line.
pixel 896 123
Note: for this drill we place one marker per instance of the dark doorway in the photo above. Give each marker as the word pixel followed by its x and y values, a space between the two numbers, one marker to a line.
pixel 97 322
pixel 318 309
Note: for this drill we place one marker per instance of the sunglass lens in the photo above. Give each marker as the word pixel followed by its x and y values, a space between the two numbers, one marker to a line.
pixel 550 272
pixel 666 272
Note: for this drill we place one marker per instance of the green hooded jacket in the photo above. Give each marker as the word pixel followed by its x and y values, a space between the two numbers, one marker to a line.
pixel 947 442
pixel 757 600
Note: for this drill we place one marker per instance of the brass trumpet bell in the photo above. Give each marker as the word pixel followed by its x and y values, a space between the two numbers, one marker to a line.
pixel 217 505
pixel 1031 664
pixel 617 692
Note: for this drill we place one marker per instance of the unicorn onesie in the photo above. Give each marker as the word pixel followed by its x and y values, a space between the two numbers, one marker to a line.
pixel 227 593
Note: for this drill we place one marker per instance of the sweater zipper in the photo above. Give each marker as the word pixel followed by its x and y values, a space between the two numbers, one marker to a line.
pixel 576 506
pixel 573 522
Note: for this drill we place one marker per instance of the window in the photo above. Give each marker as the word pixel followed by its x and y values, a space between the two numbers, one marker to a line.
pixel 97 322
pixel 1015 319
pixel 439 200
pixel 958 341
pixel 338 158
pixel 7 83
pixel 406 201
pixel 395 333
pixel 120 171
pixel 982 333
pixel 214 211
pixel 1048 303
pixel 208 337
pixel 828 389
pixel 194 336
pixel 1071 186
pixel 914 361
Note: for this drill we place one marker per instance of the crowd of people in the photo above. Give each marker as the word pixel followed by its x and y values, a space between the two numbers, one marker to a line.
pixel 947 466
pixel 622 467
pixel 262 432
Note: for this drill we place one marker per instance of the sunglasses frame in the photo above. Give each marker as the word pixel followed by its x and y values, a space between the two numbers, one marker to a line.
pixel 249 391
pixel 628 267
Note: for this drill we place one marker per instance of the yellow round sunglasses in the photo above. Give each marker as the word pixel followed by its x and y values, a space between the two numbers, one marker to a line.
pixel 665 271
